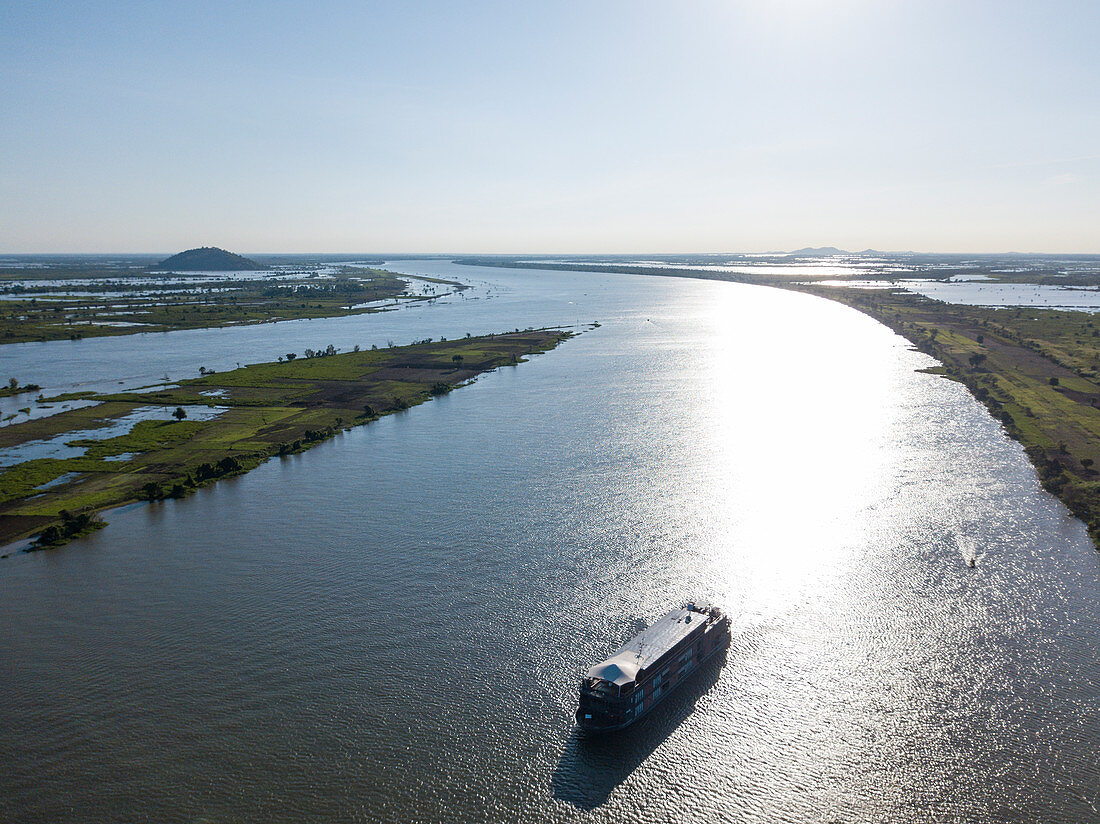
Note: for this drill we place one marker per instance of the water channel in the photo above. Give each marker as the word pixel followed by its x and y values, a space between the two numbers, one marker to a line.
pixel 391 626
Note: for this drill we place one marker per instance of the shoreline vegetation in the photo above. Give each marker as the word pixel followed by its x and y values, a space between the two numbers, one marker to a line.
pixel 260 411
pixel 13 388
pixel 1037 371
pixel 71 303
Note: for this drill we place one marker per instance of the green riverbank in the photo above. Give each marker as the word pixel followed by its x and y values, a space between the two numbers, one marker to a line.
pixel 267 409
pixel 108 302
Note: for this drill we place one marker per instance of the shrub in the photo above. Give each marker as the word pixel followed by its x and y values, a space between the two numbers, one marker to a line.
pixel 230 464
pixel 71 526
pixel 50 535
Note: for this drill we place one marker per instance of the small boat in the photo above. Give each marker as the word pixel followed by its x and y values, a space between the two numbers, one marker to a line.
pixel 618 691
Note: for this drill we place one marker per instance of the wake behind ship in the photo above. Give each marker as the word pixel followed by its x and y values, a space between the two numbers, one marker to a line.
pixel 620 690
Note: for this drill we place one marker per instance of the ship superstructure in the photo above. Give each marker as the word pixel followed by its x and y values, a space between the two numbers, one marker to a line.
pixel 621 689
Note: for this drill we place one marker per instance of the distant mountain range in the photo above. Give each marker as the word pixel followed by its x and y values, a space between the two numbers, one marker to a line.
pixel 818 251
pixel 829 251
pixel 207 259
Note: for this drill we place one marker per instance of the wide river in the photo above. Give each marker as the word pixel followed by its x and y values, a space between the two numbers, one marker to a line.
pixel 392 626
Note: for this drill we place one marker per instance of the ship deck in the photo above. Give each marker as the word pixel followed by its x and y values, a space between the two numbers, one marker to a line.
pixel 654 641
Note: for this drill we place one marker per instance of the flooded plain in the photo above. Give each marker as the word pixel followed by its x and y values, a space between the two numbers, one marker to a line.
pixel 59 446
pixel 391 626
pixel 978 293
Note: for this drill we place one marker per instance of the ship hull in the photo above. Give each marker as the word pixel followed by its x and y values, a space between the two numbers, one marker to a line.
pixel 588 727
pixel 602 710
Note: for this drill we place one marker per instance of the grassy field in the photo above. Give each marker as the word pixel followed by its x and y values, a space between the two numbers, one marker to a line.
pixel 109 303
pixel 269 409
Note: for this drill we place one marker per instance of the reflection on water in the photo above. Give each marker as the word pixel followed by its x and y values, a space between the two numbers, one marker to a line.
pixel 391 626
pixel 593 765
pixel 977 293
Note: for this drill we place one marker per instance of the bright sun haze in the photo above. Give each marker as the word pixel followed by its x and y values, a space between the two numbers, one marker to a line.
pixel 554 127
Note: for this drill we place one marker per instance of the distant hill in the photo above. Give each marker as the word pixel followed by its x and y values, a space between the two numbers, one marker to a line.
pixel 818 251
pixel 207 259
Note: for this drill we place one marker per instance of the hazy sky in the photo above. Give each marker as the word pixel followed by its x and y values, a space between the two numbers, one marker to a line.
pixel 550 126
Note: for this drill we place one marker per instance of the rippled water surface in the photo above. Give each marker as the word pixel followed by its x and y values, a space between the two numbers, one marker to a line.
pixel 391 626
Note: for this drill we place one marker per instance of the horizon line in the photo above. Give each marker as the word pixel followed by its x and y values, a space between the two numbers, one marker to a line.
pixel 426 254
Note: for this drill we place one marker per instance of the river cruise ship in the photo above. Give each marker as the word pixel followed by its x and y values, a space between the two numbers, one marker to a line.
pixel 638 677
